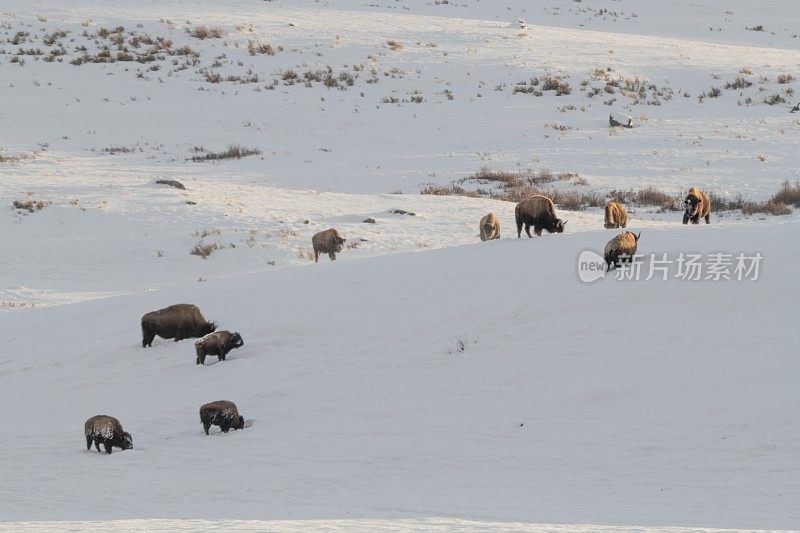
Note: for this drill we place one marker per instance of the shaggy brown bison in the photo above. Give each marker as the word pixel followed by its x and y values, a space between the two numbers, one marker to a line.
pixel 221 413
pixel 218 343
pixel 490 227
pixel 698 205
pixel 621 249
pixel 327 242
pixel 537 211
pixel 106 430
pixel 616 215
pixel 181 321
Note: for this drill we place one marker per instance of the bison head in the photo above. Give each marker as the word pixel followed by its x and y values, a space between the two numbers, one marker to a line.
pixel 236 340
pixel 127 441
pixel 207 328
pixel 556 226
pixel 488 228
pixel 692 204
pixel 338 243
pixel 239 424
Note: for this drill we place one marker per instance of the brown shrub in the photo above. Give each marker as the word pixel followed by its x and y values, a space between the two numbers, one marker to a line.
pixel 788 194
pixel 203 32
pixel 234 151
pixel 203 249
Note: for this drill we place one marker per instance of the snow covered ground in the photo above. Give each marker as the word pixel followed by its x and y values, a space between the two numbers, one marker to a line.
pixel 619 403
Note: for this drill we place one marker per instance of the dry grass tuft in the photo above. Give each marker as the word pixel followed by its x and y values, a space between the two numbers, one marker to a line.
pixel 204 249
pixel 204 32
pixel 234 151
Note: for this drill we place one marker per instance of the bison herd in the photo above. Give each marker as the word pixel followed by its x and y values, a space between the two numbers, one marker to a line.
pixel 179 321
pixel 538 211
pixel 185 321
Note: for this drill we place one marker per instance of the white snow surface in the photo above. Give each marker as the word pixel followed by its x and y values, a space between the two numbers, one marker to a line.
pixel 620 404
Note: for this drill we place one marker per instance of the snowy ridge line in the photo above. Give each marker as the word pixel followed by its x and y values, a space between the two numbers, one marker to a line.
pixel 431 525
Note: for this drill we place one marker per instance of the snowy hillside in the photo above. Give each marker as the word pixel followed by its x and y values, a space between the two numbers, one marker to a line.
pixel 425 380
pixel 567 403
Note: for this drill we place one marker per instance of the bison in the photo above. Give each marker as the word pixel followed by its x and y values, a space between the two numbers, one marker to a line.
pixel 490 227
pixel 621 249
pixel 698 205
pixel 616 215
pixel 218 343
pixel 537 211
pixel 327 242
pixel 180 321
pixel 221 413
pixel 106 430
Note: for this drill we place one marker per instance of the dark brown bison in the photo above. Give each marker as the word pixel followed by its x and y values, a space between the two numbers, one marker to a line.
pixel 181 321
pixel 616 215
pixel 218 343
pixel 106 430
pixel 327 242
pixel 221 413
pixel 698 205
pixel 537 211
pixel 621 249
pixel 490 227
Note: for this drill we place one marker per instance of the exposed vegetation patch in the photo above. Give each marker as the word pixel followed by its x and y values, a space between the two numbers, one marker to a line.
pixel 172 183
pixel 234 151
pixel 30 206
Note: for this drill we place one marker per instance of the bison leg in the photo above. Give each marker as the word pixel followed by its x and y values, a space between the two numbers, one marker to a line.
pixel 708 218
pixel 107 446
pixel 222 356
pixel 316 256
pixel 537 231
pixel 88 443
pixel 147 339
pixel 332 255
pixel 696 219
pixel 206 427
pixel 519 229
pixel 686 218
pixel 97 444
pixel 528 230
pixel 178 335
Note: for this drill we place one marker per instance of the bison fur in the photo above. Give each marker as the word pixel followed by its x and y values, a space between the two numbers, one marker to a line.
pixel 537 211
pixel 490 227
pixel 106 430
pixel 327 242
pixel 221 413
pixel 697 205
pixel 179 321
pixel 218 343
pixel 616 215
pixel 621 249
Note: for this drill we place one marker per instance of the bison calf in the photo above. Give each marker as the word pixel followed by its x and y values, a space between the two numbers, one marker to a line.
pixel 616 215
pixel 621 249
pixel 327 242
pixel 221 413
pixel 179 321
pixel 537 211
pixel 490 227
pixel 106 430
pixel 697 206
pixel 218 343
